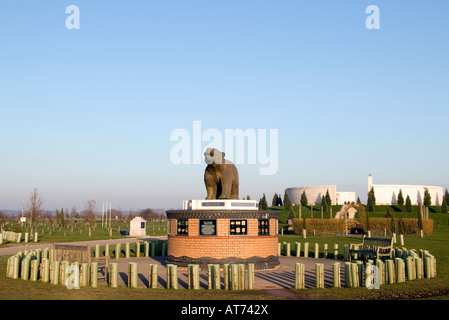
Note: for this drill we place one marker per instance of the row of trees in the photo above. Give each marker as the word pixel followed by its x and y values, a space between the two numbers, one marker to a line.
pixel 407 203
pixel 36 212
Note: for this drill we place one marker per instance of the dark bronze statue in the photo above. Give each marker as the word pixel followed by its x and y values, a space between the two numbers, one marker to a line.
pixel 221 176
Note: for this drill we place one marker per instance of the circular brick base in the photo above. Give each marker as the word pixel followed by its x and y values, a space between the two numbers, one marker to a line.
pixel 223 247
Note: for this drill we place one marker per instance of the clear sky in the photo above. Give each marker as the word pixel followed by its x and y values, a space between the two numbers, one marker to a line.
pixel 88 113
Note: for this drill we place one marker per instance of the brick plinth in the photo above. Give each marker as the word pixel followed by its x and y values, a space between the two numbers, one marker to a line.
pixel 223 247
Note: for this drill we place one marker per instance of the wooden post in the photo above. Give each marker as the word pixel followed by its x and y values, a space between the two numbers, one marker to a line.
pixel 390 271
pixel 172 276
pixel 147 249
pixel 319 275
pixel 94 274
pixel 287 249
pixel 399 265
pixel 46 270
pixel 297 249
pixel 317 250
pixel 279 249
pixel 326 251
pixel 241 270
pixel 164 249
pixel 304 233
pixel 234 274
pixel 25 268
pixel 360 272
pixel 138 249
pixel 132 275
pixel 113 275
pixel 226 276
pixel 127 255
pixel 153 249
pixel 106 250
pixel 153 277
pixel 194 277
pixel 34 269
pixel 348 278
pixel 306 250
pixel 26 237
pixel 410 266
pixel 355 275
pixel 336 251
pixel 380 268
pixel 250 276
pixel 55 278
pixel 118 250
pixel 336 274
pixel 84 274
pixel 419 268
pixel 97 251
pixel 401 237
pixel 346 252
pixel 299 276
pixel 427 267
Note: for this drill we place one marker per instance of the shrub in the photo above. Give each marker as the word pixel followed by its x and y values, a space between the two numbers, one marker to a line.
pixel 320 226
pixel 332 227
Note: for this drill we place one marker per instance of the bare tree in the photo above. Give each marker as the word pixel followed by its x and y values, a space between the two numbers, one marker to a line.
pixel 35 207
pixel 89 214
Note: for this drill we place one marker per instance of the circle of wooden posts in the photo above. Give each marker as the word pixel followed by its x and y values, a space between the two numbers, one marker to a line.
pixel 39 265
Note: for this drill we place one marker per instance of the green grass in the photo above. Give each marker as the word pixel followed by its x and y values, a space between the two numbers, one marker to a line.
pixel 436 288
pixel 64 234
pixel 437 244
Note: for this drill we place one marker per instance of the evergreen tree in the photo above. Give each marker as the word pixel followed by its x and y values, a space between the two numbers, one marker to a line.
pixel 279 203
pixel 263 205
pixel 358 201
pixel 427 198
pixel 304 200
pixel 388 213
pixel 274 202
pixel 444 206
pixel 408 205
pixel 62 217
pixel 291 214
pixel 324 203
pixel 371 200
pixel 446 196
pixel 400 198
pixel 287 202
pixel 328 199
pixel 419 217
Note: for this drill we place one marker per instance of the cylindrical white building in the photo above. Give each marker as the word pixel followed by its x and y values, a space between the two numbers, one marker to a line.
pixel 314 194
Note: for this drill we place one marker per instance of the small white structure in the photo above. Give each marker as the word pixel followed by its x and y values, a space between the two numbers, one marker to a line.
pixel 137 227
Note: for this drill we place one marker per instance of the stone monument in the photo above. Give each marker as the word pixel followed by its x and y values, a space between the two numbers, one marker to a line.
pixel 222 229
pixel 137 227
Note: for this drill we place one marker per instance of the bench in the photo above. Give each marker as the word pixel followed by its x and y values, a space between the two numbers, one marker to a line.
pixel 79 253
pixel 375 247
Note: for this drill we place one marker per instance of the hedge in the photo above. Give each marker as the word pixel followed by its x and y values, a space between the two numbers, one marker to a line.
pixel 377 225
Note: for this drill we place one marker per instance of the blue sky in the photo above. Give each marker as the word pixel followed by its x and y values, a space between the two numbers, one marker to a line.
pixel 87 114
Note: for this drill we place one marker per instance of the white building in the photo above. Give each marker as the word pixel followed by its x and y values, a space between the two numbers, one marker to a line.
pixel 314 195
pixel 387 194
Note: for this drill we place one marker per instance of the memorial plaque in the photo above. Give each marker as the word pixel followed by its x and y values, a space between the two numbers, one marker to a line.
pixel 208 227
